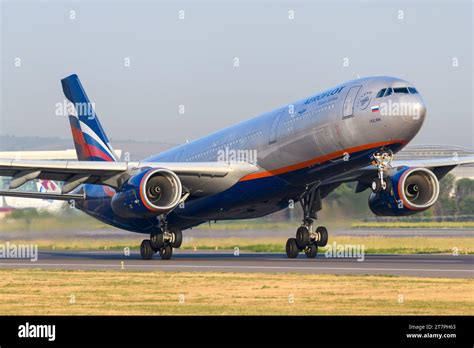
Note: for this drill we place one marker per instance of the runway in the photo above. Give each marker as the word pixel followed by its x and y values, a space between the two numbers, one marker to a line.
pixel 447 266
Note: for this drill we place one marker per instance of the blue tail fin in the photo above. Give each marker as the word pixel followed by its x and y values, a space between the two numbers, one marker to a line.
pixel 90 140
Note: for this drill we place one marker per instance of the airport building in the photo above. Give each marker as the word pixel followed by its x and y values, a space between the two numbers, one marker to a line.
pixel 424 152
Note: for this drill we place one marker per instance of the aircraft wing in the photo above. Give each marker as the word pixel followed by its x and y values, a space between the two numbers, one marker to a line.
pixel 364 176
pixel 199 178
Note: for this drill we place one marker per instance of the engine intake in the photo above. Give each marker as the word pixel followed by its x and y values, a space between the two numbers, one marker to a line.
pixel 152 192
pixel 160 190
pixel 418 188
pixel 413 190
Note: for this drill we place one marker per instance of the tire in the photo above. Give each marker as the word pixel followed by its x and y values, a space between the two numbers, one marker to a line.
pixel 388 183
pixel 311 251
pixel 156 240
pixel 302 237
pixel 376 186
pixel 323 236
pixel 292 249
pixel 166 252
pixel 178 239
pixel 146 251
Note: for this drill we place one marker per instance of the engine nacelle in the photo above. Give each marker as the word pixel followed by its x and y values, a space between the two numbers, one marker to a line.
pixel 412 190
pixel 151 192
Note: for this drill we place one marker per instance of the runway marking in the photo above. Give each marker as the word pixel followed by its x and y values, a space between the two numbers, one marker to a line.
pixel 242 267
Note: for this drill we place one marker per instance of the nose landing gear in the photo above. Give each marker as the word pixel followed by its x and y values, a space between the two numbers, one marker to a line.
pixel 307 239
pixel 383 162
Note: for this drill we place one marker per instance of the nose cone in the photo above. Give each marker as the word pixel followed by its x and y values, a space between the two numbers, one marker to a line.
pixel 413 113
pixel 421 110
pixel 413 108
pixel 403 115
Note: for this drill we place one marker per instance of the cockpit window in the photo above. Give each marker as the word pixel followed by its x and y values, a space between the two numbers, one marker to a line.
pixel 380 93
pixel 403 90
pixel 385 92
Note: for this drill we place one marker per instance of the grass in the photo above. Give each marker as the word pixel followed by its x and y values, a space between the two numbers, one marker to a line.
pixel 83 243
pixel 48 222
pixel 84 222
pixel 413 224
pixel 247 225
pixel 372 244
pixel 52 223
pixel 195 293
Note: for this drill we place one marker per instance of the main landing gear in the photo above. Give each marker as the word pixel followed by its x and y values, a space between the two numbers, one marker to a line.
pixel 162 241
pixel 307 239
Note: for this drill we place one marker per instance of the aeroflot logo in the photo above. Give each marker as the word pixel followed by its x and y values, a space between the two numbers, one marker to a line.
pixel 324 95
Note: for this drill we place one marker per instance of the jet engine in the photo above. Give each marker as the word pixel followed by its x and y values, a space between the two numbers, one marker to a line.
pixel 412 190
pixel 151 192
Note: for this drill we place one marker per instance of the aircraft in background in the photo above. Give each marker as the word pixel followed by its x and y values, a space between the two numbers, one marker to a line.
pixel 297 153
pixel 49 205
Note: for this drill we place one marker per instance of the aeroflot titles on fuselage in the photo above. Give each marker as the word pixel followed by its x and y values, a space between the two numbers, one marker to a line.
pixel 323 95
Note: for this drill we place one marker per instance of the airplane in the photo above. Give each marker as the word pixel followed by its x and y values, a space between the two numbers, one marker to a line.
pixel 52 206
pixel 299 152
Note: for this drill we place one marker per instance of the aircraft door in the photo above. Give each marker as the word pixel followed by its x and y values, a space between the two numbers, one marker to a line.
pixel 274 128
pixel 348 108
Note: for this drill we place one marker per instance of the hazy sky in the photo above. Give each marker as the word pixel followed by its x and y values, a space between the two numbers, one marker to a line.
pixel 190 61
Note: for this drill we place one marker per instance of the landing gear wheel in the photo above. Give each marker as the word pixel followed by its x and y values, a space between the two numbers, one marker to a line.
pixel 166 252
pixel 311 251
pixel 388 184
pixel 323 236
pixel 292 249
pixel 178 239
pixel 146 251
pixel 156 240
pixel 376 186
pixel 383 160
pixel 302 237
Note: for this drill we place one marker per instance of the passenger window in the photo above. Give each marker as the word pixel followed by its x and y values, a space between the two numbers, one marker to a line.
pixel 402 90
pixel 389 91
pixel 380 93
pixel 412 90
